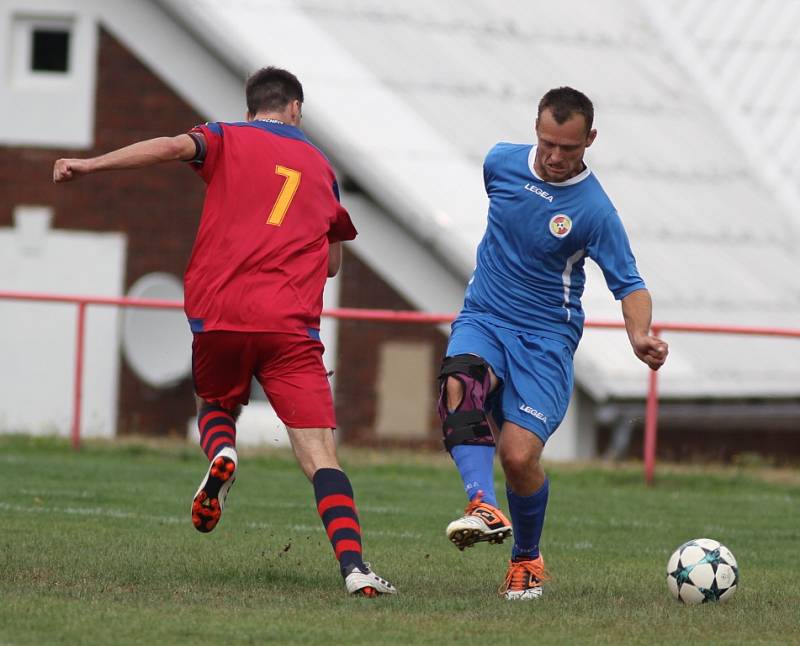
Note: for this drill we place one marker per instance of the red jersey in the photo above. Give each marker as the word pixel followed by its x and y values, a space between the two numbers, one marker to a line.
pixel 260 259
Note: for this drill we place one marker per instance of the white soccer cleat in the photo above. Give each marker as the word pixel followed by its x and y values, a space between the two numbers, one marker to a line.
pixel 520 595
pixel 366 583
pixel 213 490
pixel 480 522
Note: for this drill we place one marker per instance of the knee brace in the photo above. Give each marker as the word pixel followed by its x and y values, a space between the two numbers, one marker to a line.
pixel 467 424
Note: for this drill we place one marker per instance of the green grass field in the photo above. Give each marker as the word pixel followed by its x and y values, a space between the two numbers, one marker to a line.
pixel 97 547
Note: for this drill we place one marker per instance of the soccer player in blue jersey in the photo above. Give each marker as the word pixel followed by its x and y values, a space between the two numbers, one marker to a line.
pixel 508 374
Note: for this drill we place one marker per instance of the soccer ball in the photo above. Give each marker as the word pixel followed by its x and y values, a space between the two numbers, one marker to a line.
pixel 702 570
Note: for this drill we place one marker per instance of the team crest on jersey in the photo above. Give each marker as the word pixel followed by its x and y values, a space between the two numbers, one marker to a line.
pixel 560 225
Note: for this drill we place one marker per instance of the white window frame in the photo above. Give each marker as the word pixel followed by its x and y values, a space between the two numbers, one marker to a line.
pixel 22 28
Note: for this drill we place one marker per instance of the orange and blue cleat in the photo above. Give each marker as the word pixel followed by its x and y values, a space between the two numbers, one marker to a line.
pixel 480 522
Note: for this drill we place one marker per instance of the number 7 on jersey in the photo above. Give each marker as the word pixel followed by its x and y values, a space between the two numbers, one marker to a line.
pixel 285 197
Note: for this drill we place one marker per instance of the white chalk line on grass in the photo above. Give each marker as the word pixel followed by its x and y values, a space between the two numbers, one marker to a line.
pixel 319 529
pixel 87 511
pixel 175 520
pixel 272 504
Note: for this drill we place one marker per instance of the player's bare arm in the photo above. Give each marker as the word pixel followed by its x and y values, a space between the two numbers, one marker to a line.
pixel 334 258
pixel 637 308
pixel 138 155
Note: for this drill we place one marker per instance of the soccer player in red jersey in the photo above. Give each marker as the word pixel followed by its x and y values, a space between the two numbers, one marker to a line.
pixel 269 237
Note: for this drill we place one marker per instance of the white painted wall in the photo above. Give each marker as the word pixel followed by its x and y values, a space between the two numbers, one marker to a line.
pixel 46 108
pixel 57 110
pixel 37 340
pixel 576 438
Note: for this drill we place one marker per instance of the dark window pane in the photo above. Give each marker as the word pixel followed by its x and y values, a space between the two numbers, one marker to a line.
pixel 50 51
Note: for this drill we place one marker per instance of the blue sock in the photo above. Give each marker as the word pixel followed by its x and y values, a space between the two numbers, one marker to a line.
pixel 527 519
pixel 476 466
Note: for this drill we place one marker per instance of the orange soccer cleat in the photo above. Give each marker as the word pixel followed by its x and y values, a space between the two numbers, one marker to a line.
pixel 524 579
pixel 480 522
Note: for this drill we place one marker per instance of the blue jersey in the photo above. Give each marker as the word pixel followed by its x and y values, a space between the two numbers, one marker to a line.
pixel 529 274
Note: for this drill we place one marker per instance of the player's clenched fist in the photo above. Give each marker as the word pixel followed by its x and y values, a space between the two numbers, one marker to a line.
pixel 652 351
pixel 65 170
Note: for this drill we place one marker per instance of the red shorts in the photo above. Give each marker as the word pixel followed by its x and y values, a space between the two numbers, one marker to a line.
pixel 288 366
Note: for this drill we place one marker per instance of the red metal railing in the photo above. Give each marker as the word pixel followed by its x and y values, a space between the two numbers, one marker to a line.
pixel 393 316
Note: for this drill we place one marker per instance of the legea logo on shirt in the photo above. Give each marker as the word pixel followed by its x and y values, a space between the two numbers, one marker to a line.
pixel 535 189
pixel 560 225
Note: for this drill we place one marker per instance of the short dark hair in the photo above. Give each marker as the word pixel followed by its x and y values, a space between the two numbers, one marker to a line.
pixel 563 102
pixel 272 88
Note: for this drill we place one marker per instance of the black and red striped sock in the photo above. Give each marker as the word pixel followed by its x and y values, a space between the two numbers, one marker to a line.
pixel 217 429
pixel 335 505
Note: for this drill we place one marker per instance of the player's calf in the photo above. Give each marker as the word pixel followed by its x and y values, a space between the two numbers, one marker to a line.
pixel 467 435
pixel 337 509
pixel 217 428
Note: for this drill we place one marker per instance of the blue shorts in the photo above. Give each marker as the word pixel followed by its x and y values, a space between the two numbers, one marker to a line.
pixel 536 373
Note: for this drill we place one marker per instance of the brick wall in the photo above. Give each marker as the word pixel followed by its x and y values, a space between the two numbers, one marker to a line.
pixel 359 343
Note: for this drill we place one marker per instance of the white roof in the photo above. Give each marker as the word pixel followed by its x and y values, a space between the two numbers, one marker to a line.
pixel 408 96
pixel 746 56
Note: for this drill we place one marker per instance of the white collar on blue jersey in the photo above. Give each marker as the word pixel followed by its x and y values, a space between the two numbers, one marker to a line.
pixel 567 182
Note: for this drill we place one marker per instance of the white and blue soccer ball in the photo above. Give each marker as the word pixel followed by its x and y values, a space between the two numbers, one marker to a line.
pixel 702 570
